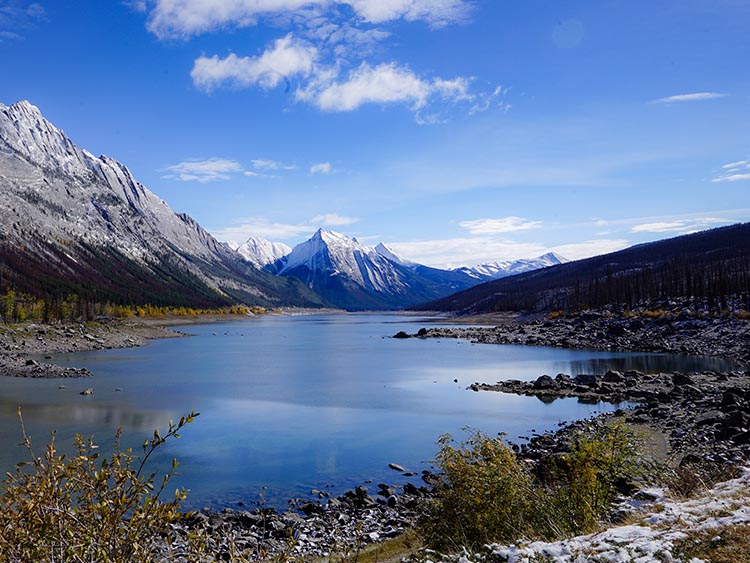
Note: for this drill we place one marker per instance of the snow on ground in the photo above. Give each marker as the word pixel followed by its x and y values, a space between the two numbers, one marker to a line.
pixel 651 539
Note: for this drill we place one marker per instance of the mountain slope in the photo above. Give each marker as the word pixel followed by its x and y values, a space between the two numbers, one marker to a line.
pixel 497 270
pixel 710 266
pixel 260 252
pixel 72 222
pixel 353 276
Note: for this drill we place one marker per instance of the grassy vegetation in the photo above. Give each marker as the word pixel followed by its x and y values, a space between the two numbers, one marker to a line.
pixel 488 494
pixel 82 508
pixel 729 544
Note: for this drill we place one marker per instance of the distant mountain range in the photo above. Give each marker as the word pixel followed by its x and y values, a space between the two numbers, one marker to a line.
pixel 710 267
pixel 350 275
pixel 72 223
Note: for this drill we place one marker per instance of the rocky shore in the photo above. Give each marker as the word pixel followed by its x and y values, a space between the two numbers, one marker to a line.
pixel 727 338
pixel 699 415
pixel 22 346
pixel 320 528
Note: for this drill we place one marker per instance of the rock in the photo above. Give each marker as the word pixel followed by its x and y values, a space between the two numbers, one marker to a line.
pixel 396 467
pixel 586 379
pixel 401 334
pixel 544 382
pixel 613 377
pixel 87 391
pixel 563 379
pixel 732 398
pixel 682 379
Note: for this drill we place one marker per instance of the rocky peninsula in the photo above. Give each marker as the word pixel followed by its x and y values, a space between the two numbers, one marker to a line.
pixel 697 415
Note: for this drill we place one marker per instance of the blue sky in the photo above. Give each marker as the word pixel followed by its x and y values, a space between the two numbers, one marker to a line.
pixel 456 131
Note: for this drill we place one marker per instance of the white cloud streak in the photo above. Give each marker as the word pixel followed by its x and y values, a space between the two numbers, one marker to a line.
pixel 264 164
pixel 470 251
pixel 243 229
pixel 497 226
pixel 203 171
pixel 734 172
pixel 321 168
pixel 694 97
pixel 332 220
pixel 180 19
pixel 680 226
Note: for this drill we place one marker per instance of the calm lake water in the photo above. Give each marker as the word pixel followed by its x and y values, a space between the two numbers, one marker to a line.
pixel 296 403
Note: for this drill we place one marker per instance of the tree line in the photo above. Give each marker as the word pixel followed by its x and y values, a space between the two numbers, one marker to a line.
pixel 19 307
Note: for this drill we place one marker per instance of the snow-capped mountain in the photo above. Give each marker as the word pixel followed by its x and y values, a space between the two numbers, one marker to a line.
pixel 260 252
pixel 387 252
pixel 353 276
pixel 497 270
pixel 329 257
pixel 71 220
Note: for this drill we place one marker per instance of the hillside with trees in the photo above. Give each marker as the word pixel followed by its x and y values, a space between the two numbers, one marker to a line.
pixel 707 269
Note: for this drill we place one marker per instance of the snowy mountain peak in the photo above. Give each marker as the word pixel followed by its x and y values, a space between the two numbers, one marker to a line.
pixel 553 258
pixel 261 252
pixel 497 270
pixel 387 252
pixel 330 254
pixel 26 131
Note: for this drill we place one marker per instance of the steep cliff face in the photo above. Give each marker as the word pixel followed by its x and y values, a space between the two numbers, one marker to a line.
pixel 70 220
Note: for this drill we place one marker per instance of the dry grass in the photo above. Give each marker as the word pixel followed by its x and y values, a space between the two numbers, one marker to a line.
pixel 730 544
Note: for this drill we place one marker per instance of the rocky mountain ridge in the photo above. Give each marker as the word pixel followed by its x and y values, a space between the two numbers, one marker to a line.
pixel 74 223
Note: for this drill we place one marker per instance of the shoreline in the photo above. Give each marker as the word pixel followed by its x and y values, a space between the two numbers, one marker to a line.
pixel 690 415
pixel 697 414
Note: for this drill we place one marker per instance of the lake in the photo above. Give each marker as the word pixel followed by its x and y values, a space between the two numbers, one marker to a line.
pixel 295 403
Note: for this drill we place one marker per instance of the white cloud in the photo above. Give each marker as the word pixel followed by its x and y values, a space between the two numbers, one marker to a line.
pixel 264 164
pixel 590 248
pixel 185 18
pixel 321 168
pixel 243 229
pixel 737 165
pixel 496 226
pixel 470 251
pixel 17 16
pixel 332 220
pixel 465 251
pixel 734 172
pixel 435 12
pixel 139 6
pixel 679 226
pixel 288 57
pixel 211 170
pixel 694 97
pixel 385 83
pixel 325 57
pixel 732 178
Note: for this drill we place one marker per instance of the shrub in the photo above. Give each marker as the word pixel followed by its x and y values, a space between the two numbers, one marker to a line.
pixel 580 486
pixel 484 494
pixel 488 494
pixel 56 508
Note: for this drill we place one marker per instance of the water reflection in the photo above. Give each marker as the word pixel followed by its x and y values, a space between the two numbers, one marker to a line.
pixel 301 403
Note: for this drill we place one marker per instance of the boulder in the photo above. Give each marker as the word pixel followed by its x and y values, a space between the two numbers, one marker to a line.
pixel 545 382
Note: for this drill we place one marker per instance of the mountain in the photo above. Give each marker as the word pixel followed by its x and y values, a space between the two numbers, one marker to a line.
pixel 73 223
pixel 353 276
pixel 386 252
pixel 260 252
pixel 708 267
pixel 497 270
